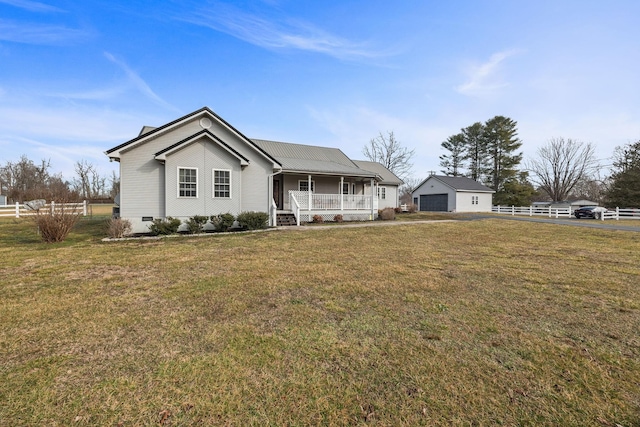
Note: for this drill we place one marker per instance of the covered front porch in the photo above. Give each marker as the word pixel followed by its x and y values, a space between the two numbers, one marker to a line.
pixel 355 198
pixel 305 205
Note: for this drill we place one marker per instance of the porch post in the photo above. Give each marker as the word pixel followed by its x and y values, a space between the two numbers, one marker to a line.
pixel 372 195
pixel 341 193
pixel 309 187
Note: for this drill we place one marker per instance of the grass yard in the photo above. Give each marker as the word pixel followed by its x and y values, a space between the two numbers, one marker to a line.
pixel 456 323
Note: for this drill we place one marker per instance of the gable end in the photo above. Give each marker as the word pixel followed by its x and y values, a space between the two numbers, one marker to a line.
pixel 161 155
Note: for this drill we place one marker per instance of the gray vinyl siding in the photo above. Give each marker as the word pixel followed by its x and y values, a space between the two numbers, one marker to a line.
pixel 255 185
pixel 458 201
pixel 147 182
pixel 142 189
pixel 391 197
pixel 433 186
pixel 205 157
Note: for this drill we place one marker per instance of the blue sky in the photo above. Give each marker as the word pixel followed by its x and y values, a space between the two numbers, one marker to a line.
pixel 80 77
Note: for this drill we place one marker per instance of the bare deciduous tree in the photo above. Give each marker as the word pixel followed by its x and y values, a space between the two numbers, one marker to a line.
pixel 114 184
pixel 88 182
pixel 387 150
pixel 24 180
pixel 560 165
pixel 410 184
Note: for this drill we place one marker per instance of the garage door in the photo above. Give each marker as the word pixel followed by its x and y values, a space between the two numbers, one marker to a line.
pixel 434 202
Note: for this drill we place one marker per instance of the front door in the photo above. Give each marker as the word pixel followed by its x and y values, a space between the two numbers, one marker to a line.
pixel 276 193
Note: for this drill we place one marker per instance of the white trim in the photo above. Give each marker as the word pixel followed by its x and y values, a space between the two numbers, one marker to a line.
pixel 213 183
pixel 198 114
pixel 178 182
pixel 382 193
pixel 350 188
pixel 163 157
pixel 306 181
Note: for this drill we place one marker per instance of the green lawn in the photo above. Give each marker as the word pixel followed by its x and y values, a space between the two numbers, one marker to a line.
pixel 454 323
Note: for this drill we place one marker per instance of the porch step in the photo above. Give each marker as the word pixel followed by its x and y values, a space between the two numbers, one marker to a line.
pixel 284 219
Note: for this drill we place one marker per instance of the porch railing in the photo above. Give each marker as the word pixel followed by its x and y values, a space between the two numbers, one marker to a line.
pixel 319 202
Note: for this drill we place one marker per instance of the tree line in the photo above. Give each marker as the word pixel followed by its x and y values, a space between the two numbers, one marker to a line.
pixel 563 168
pixel 490 153
pixel 26 180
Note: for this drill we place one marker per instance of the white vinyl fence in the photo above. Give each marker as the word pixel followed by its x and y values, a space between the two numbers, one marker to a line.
pixel 20 210
pixel 563 212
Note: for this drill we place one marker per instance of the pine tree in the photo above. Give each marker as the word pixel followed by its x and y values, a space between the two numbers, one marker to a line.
pixel 501 139
pixel 624 190
pixel 453 163
pixel 476 153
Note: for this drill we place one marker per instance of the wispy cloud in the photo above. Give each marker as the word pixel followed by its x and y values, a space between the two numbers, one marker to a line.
pixel 289 34
pixel 484 78
pixel 32 6
pixel 40 34
pixel 91 95
pixel 66 133
pixel 139 83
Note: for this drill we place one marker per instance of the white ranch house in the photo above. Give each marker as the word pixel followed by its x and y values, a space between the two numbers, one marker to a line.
pixel 452 194
pixel 201 165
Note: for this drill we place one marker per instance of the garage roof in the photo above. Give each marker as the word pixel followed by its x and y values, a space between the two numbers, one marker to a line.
pixel 460 183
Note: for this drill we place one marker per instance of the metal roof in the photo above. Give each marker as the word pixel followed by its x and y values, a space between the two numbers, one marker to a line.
pixel 310 158
pixel 388 177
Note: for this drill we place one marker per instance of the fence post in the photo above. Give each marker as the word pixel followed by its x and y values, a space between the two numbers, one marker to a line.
pixel 617 213
pixel 53 207
pixel 17 210
pixel 513 210
pixel 84 208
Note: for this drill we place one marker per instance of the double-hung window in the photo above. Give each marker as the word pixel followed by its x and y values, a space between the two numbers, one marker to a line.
pixel 303 185
pixel 382 193
pixel 221 183
pixel 187 182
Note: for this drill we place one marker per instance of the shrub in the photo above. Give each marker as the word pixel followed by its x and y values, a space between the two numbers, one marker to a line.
pixel 118 227
pixel 253 220
pixel 412 208
pixel 196 223
pixel 161 226
pixel 398 210
pixel 387 214
pixel 338 218
pixel 54 226
pixel 318 219
pixel 222 222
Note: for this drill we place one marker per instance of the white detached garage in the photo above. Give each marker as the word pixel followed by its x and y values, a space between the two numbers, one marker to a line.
pixel 452 194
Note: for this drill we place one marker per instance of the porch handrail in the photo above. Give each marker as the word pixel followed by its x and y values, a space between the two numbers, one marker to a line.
pixel 273 213
pixel 295 207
